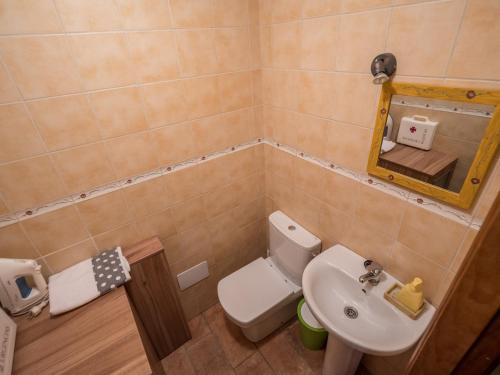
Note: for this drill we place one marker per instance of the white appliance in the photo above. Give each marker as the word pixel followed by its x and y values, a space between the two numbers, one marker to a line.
pixel 8 339
pixel 417 131
pixel 22 285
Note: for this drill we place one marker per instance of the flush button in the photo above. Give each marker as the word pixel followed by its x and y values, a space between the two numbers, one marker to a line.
pixel 291 227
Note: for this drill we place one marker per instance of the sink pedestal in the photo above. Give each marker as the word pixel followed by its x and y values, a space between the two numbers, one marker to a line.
pixel 340 359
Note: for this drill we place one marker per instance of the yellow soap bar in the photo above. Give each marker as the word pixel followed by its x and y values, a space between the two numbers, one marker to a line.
pixel 411 295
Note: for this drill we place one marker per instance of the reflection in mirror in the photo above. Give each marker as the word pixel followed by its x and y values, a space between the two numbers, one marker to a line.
pixel 431 140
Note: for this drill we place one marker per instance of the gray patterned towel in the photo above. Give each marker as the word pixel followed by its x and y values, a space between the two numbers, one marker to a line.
pixel 108 270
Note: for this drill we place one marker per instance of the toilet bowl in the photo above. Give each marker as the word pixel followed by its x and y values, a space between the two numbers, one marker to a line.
pixel 263 295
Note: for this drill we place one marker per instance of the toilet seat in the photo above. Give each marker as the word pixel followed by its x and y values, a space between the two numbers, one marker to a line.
pixel 254 290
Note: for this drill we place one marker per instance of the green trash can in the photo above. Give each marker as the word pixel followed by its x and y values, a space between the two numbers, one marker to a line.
pixel 312 334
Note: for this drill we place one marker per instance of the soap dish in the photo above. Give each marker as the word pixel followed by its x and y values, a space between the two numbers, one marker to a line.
pixel 390 295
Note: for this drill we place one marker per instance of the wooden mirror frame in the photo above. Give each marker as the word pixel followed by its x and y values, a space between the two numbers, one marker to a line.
pixel 484 154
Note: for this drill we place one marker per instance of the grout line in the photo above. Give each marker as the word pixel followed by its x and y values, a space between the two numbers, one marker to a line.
pixel 57 171
pixel 12 80
pixel 338 31
pixel 59 18
pixel 132 85
pixel 387 28
pixel 104 141
pixel 140 92
pixel 70 51
pixel 43 263
pixel 25 232
pixel 26 109
pixel 484 111
pixel 367 73
pixel 84 224
pixel 2 202
pixel 341 12
pixel 486 188
pixel 469 143
pixel 274 107
pixel 40 139
pixel 428 204
pixel 176 42
pixel 414 252
pixel 190 361
pixel 363 178
pixel 392 250
pixel 457 34
pixel 251 62
pixel 67 247
pixel 458 249
pixel 117 31
pixel 265 360
pixel 251 46
pixel 170 13
pixel 121 183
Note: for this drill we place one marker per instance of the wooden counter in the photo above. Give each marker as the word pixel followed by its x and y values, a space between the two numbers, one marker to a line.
pixel 98 338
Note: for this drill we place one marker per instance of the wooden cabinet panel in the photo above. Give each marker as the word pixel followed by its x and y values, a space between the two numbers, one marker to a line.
pixel 154 297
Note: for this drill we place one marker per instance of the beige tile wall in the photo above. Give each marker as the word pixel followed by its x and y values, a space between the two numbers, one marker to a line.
pixel 318 98
pixel 86 87
pixel 95 91
pixel 214 211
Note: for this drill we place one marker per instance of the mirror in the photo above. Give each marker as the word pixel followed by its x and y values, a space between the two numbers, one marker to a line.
pixel 435 140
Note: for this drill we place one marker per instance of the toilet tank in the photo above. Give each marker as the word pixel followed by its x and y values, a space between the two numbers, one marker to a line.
pixel 291 246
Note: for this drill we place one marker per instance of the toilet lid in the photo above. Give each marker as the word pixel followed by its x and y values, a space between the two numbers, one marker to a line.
pixel 253 290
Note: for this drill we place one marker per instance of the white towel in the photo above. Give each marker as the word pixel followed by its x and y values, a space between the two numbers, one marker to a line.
pixel 87 280
pixel 387 146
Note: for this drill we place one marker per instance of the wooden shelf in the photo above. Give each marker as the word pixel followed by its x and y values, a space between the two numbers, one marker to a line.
pixel 430 166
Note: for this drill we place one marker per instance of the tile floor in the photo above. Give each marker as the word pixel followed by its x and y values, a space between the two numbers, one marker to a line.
pixel 219 347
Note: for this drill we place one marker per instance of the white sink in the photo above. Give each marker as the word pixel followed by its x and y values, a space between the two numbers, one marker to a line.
pixel 330 285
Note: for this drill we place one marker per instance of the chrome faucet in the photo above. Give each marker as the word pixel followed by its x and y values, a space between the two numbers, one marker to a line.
pixel 374 272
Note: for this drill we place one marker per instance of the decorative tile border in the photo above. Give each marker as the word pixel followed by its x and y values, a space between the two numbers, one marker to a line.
pixel 388 188
pixel 120 184
pixel 480 110
pixel 363 178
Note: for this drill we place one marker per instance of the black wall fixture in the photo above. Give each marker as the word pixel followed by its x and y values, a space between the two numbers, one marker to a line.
pixel 383 67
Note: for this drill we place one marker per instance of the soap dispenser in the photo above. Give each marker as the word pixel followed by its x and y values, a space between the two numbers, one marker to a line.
pixel 411 295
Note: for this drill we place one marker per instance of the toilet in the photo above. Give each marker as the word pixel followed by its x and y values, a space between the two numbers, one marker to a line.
pixel 263 295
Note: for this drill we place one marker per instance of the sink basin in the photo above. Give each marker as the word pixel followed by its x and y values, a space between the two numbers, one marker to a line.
pixel 356 315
